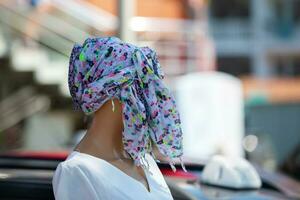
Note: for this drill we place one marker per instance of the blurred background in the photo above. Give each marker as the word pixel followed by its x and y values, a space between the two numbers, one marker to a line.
pixel 234 67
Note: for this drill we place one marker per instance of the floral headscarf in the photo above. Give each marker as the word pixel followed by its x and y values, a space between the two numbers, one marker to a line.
pixel 106 67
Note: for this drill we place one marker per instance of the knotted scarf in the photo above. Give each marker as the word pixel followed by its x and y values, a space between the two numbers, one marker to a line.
pixel 106 67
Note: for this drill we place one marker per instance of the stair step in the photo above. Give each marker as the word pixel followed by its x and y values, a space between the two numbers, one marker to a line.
pixel 58 101
pixel 4 63
pixel 16 79
pixel 52 73
pixel 3 44
pixel 27 58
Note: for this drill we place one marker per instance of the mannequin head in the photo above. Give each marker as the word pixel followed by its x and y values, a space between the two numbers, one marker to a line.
pixel 105 68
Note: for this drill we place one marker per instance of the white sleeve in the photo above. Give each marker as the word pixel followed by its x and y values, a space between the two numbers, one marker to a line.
pixel 71 183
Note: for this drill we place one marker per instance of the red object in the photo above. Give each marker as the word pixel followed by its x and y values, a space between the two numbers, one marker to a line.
pixel 59 155
pixel 179 174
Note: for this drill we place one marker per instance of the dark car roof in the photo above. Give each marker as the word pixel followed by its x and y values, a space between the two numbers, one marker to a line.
pixel 31 175
pixel 37 184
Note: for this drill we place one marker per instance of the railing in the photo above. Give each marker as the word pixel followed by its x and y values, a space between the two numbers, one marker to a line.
pixel 88 14
pixel 69 22
pixel 182 44
pixel 175 39
pixel 73 21
pixel 51 33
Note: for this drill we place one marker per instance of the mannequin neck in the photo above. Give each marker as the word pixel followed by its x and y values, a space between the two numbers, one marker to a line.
pixel 104 137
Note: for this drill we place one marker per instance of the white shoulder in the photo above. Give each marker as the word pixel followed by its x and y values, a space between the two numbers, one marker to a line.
pixel 71 181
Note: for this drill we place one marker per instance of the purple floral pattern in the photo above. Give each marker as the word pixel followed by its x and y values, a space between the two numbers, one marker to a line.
pixel 106 67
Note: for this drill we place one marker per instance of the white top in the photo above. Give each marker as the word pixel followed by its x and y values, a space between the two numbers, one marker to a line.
pixel 83 176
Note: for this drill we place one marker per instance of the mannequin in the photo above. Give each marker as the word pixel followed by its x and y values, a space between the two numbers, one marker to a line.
pixel 121 86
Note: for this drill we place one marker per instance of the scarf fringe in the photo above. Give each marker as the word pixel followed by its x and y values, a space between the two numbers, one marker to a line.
pixel 142 162
pixel 172 165
pixel 112 101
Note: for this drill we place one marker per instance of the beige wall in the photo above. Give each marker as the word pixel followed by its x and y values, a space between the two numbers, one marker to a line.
pixel 149 8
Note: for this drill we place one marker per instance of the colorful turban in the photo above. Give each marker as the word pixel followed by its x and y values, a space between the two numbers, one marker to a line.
pixel 106 67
